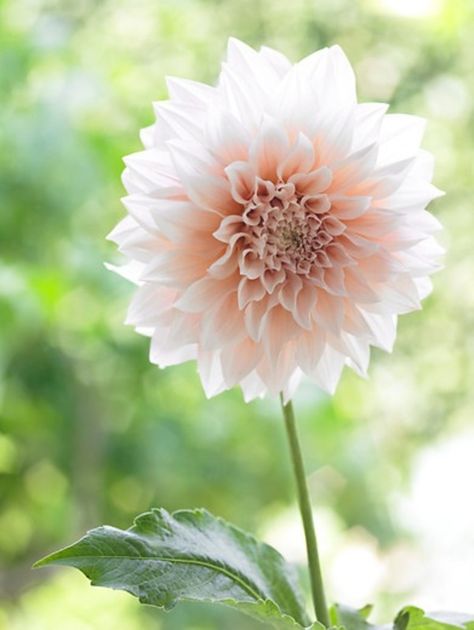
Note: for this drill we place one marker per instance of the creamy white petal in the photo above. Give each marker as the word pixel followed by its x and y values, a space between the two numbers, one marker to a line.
pixel 190 92
pixel 210 372
pixel 276 59
pixel 165 358
pixel 328 370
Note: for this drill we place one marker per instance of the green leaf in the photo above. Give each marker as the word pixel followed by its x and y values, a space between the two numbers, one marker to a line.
pixel 412 618
pixel 189 555
pixel 351 618
pixel 409 618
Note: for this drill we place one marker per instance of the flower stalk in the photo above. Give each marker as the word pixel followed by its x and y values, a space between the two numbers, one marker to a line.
pixel 315 574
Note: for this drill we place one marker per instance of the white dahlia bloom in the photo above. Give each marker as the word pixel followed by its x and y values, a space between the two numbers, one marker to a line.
pixel 275 226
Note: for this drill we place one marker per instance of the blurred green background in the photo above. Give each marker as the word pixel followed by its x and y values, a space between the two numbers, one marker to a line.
pixel 91 433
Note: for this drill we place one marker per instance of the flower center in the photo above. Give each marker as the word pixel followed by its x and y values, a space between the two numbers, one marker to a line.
pixel 287 229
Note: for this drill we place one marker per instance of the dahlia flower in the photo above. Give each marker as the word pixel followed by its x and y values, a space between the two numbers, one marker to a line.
pixel 275 226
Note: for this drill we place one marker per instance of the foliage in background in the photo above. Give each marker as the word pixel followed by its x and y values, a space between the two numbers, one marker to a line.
pixel 89 432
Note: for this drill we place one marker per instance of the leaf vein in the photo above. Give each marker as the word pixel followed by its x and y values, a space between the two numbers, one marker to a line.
pixel 251 590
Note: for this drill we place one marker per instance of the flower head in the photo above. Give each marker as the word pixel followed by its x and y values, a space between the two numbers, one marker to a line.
pixel 275 226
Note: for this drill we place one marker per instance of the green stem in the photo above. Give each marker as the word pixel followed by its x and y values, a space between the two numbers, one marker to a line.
pixel 316 579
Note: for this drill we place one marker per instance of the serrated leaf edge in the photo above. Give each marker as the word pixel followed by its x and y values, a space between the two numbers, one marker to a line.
pixel 54 559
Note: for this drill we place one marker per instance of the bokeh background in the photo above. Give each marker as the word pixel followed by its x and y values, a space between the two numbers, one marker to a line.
pixel 91 433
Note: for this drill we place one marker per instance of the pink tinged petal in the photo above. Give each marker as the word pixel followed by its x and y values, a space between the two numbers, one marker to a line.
pixel 241 176
pixel 228 228
pixel 383 328
pixel 328 370
pixel 276 372
pixel 204 294
pixel 312 183
pixel 310 346
pixel 329 312
pixel 332 225
pixel 357 246
pixel 402 294
pixel 354 323
pixel 374 224
pixel 210 372
pixel 357 351
pixel 333 279
pixel 264 190
pixel 256 314
pixel 164 358
pixel 354 169
pixel 253 214
pixel 380 267
pixel 322 259
pixel 378 188
pixel 305 305
pixel 300 158
pixel 289 291
pixel 338 255
pixel 349 207
pixel 401 239
pixel 250 264
pixel 239 359
pixel 177 219
pixel 188 91
pixel 269 149
pixel 272 278
pixel 222 324
pixel 183 331
pixel 211 192
pixel 252 387
pixel 249 291
pixel 226 136
pixel 412 229
pixel 225 266
pixel 175 269
pixel 148 304
pixel 385 181
pixel 317 204
pixel 358 287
